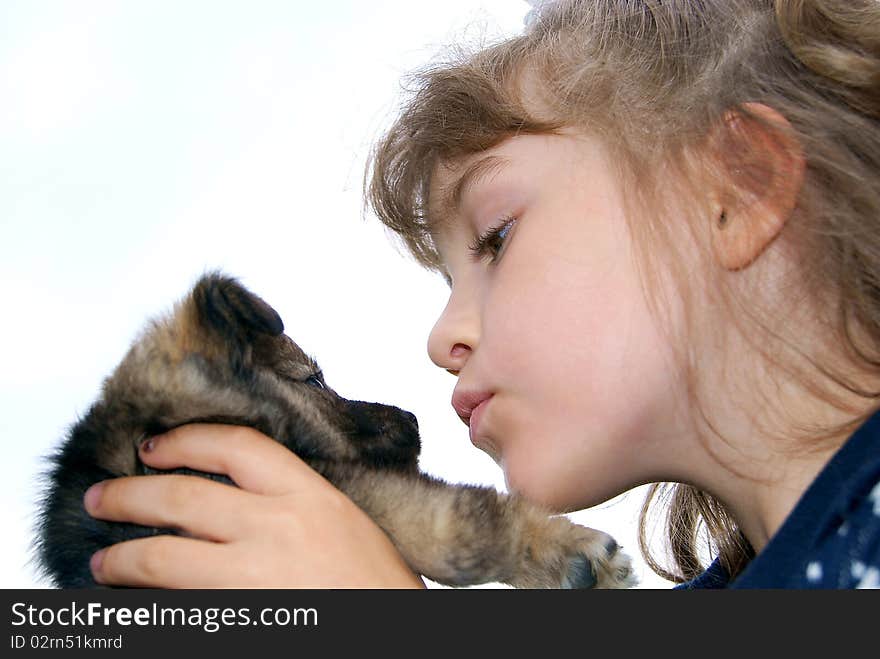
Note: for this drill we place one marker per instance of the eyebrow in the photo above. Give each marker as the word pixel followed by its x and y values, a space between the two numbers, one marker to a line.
pixel 475 172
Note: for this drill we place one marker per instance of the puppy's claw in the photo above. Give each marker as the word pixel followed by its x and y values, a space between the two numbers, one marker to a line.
pixel 580 574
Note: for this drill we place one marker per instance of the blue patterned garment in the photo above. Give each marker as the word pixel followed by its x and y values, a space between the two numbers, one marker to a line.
pixel 832 537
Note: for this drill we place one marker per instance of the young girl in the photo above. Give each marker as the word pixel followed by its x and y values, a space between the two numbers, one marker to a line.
pixel 659 224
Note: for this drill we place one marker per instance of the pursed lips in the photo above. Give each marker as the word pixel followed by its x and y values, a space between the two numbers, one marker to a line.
pixel 465 402
pixel 469 407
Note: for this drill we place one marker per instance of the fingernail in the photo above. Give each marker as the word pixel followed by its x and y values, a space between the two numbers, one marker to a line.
pixel 93 496
pixel 96 561
pixel 149 444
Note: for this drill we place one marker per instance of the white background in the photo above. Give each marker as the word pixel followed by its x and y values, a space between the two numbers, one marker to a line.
pixel 144 142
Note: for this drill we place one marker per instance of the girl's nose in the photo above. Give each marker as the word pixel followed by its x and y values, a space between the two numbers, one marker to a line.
pixel 454 336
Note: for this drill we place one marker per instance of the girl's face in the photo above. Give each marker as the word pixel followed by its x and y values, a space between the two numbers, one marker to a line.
pixel 551 320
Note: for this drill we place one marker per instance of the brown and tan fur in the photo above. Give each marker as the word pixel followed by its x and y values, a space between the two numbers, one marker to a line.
pixel 222 356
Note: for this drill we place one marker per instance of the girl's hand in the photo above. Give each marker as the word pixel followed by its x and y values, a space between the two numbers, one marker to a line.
pixel 283 526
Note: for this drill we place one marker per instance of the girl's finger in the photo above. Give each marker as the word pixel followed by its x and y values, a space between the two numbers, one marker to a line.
pixel 199 506
pixel 255 462
pixel 162 561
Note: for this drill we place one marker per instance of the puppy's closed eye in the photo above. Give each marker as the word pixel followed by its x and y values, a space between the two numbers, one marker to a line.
pixel 316 380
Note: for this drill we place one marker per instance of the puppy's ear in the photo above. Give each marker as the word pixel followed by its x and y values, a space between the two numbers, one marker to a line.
pixel 223 320
pixel 227 306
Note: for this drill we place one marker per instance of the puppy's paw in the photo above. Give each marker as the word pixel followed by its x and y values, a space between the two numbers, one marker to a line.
pixel 560 554
pixel 600 564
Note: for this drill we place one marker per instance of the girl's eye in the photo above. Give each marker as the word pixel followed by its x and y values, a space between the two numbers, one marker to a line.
pixel 492 242
pixel 316 380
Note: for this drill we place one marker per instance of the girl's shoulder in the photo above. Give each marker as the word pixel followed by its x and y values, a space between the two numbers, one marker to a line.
pixel 841 552
pixel 847 555
pixel 850 556
pixel 845 552
pixel 832 537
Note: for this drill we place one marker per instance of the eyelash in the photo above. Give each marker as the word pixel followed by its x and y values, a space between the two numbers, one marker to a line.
pixel 484 244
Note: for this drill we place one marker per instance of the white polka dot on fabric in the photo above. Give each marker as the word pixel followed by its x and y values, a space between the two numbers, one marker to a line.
pixel 871 579
pixel 875 497
pixel 857 569
pixel 843 529
pixel 814 571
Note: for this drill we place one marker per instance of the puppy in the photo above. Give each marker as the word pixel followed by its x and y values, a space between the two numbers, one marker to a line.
pixel 221 356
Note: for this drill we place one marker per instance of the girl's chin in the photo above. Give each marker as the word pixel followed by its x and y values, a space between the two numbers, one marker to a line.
pixel 488 447
pixel 542 491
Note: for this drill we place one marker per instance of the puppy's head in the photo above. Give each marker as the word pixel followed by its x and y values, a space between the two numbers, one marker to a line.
pixel 222 356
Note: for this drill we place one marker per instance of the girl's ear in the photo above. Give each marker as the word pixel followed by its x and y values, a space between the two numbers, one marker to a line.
pixel 764 163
